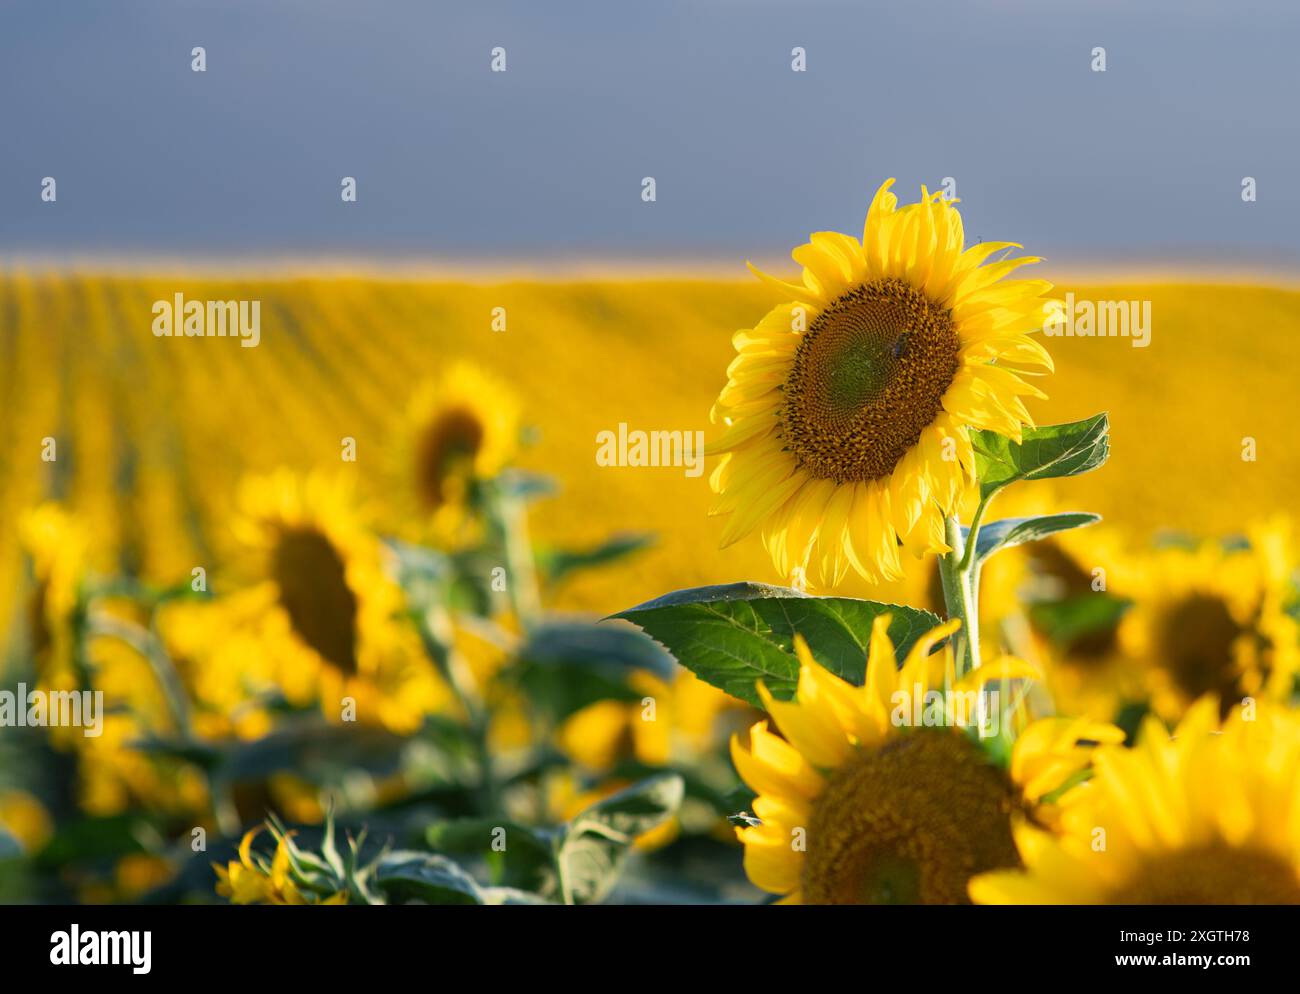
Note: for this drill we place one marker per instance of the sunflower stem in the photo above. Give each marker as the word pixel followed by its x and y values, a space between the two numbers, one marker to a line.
pixel 438 635
pixel 957 573
pixel 521 571
pixel 150 647
pixel 972 539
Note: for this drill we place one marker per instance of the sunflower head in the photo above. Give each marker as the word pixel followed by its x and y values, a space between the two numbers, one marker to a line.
pixel 1212 619
pixel 847 409
pixel 316 556
pixel 856 804
pixel 330 612
pixel 460 428
pixel 1202 815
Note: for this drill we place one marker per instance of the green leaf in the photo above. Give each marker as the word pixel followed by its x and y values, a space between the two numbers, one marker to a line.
pixel 309 742
pixel 560 692
pixel 96 838
pixel 328 850
pixel 510 895
pixel 1074 622
pixel 465 835
pixel 638 809
pixel 580 860
pixel 525 862
pixel 1043 453
pixel 709 783
pixel 593 846
pixel 422 573
pixel 608 649
pixel 518 484
pixel 429 578
pixel 187 750
pixel 556 564
pixel 737 634
pixel 1010 532
pixel 427 877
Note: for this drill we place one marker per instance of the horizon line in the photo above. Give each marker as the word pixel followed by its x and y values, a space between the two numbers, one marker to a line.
pixel 575 267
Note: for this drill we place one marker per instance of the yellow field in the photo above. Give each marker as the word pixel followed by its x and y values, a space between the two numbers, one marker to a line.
pixel 153 434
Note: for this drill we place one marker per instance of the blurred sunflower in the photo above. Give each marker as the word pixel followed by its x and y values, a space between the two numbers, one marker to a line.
pixel 1074 605
pixel 677 720
pixel 1205 815
pixel 57 545
pixel 1056 602
pixel 461 428
pixel 25 819
pixel 847 409
pixel 1213 620
pixel 114 774
pixel 217 650
pixel 568 795
pixel 510 728
pixel 253 880
pixel 855 808
pixel 329 615
pixel 1059 602
pixel 138 873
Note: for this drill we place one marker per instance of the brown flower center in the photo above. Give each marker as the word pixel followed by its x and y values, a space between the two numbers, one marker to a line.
pixel 42 637
pixel 1199 635
pixel 909 822
pixel 1211 874
pixel 868 376
pixel 447 447
pixel 314 591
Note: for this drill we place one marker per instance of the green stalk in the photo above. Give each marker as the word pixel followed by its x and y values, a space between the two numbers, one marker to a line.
pixel 958 574
pixel 147 643
pixel 437 633
pixel 222 801
pixel 520 569
pixel 968 563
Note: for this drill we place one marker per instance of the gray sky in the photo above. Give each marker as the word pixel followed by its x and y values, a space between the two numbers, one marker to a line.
pixel 1143 161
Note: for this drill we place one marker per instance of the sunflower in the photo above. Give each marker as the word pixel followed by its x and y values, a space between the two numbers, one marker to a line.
pixel 328 615
pixel 1058 602
pixel 255 880
pixel 217 648
pixel 856 807
pixel 1213 619
pixel 847 409
pixel 1205 815
pixel 113 773
pixel 137 874
pixel 680 720
pixel 460 428
pixel 672 720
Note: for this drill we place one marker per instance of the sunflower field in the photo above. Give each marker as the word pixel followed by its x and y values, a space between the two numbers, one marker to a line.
pixel 952 606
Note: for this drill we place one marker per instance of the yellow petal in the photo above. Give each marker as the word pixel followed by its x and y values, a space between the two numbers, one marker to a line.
pixel 772 766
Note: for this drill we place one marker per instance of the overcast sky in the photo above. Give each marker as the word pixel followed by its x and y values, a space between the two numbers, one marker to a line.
pixel 1145 160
